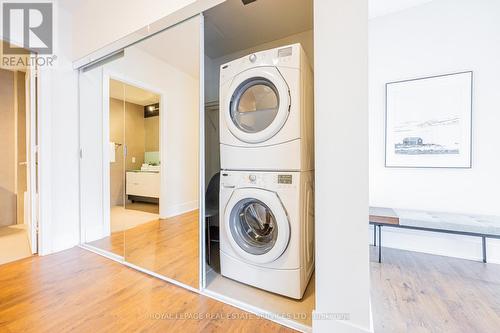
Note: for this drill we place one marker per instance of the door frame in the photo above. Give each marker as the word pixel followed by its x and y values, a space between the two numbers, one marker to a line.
pixel 33 181
pixel 113 75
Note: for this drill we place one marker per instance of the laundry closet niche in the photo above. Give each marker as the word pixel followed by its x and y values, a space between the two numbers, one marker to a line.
pixel 257 185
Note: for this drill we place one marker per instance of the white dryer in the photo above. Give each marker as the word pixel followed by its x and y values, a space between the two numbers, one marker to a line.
pixel 266 111
pixel 267 229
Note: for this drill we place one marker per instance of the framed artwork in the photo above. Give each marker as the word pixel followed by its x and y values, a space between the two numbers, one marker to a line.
pixel 429 122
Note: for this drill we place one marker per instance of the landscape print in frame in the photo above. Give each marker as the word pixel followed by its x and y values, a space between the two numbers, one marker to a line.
pixel 429 122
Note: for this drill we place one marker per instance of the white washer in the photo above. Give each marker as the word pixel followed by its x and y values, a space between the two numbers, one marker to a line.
pixel 266 229
pixel 266 111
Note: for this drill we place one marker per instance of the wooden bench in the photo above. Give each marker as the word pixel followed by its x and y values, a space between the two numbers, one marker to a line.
pixel 482 226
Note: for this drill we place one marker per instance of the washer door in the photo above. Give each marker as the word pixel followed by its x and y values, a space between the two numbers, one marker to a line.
pixel 258 104
pixel 257 225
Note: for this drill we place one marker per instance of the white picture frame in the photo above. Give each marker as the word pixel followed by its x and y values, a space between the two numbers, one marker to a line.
pixel 429 122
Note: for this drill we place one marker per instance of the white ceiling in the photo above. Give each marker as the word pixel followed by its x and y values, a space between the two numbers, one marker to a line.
pixel 131 94
pixel 178 46
pixel 232 26
pixel 378 8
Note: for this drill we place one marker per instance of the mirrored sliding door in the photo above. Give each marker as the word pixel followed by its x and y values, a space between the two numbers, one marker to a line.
pixel 168 65
pixel 139 129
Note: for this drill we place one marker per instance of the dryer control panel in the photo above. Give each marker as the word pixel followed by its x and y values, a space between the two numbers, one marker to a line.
pixel 285 56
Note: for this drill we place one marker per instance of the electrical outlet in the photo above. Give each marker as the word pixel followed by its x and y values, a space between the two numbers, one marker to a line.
pixel 133 159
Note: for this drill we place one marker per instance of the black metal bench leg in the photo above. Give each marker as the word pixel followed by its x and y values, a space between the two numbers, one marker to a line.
pixel 374 235
pixel 379 243
pixel 484 249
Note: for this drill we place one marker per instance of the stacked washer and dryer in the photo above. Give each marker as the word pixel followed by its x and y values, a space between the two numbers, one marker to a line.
pixel 267 177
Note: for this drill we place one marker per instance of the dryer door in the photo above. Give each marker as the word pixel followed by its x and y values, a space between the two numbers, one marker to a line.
pixel 257 225
pixel 257 105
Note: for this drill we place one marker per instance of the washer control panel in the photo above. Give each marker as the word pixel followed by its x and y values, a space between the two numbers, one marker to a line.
pixel 270 180
pixel 285 179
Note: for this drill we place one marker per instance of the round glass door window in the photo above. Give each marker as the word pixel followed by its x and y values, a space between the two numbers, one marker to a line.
pixel 253 226
pixel 254 105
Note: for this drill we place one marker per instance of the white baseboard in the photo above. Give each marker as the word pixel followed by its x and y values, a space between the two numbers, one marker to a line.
pixel 63 242
pixel 179 209
pixel 457 246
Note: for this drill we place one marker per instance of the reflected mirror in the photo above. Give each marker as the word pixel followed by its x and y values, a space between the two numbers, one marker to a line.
pixel 147 209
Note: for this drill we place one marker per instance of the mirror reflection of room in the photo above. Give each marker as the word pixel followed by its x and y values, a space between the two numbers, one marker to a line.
pixel 145 212
pixel 134 155
pixel 134 161
pixel 169 246
pixel 18 136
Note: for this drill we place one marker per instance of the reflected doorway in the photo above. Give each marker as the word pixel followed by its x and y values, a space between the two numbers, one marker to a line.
pixel 18 177
pixel 134 118
pixel 134 162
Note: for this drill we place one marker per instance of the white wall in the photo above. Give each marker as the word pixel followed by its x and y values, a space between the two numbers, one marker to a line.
pixel 384 7
pixel 441 36
pixel 58 144
pixel 341 136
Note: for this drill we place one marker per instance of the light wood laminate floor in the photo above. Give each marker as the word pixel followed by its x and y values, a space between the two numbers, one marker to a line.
pixel 416 292
pixel 79 291
pixel 123 218
pixel 168 247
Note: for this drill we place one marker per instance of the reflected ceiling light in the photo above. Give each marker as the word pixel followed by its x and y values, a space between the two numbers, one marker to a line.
pixel 151 110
